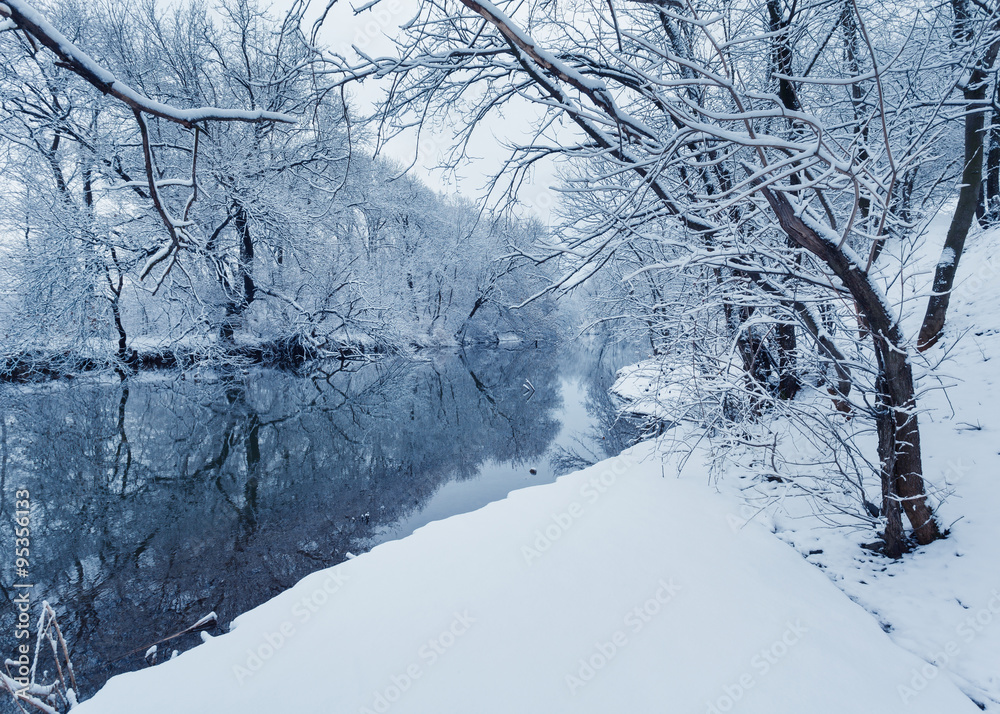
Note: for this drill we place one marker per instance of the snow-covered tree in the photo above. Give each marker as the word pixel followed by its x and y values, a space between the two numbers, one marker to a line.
pixel 145 221
pixel 738 141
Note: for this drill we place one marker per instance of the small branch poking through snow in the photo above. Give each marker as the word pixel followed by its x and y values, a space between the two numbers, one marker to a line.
pixel 209 620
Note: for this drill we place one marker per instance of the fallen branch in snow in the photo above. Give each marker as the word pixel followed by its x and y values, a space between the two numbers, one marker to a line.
pixel 25 689
pixel 209 620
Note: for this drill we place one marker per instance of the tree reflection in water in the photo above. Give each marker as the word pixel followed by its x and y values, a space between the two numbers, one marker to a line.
pixel 159 500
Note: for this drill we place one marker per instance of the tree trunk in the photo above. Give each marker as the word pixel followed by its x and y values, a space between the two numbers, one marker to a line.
pixel 958 230
pixel 893 538
pixel 818 331
pixel 480 301
pixel 906 475
pixel 852 52
pixel 242 223
pixel 974 92
pixel 116 312
pixel 245 291
pixel 781 59
pixel 789 382
pixel 899 446
pixel 991 186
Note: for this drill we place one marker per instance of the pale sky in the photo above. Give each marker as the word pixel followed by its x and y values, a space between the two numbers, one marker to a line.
pixel 367 30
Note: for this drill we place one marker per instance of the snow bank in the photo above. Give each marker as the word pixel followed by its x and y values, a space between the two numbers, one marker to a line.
pixel 941 602
pixel 674 391
pixel 612 590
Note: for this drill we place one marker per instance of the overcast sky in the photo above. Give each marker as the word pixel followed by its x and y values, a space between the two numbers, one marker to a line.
pixel 368 31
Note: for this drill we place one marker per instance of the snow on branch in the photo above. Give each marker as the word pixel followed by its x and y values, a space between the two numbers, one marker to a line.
pixel 595 89
pixel 20 14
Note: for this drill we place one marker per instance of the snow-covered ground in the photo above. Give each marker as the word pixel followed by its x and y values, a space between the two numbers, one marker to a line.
pixel 612 590
pixel 622 588
pixel 942 602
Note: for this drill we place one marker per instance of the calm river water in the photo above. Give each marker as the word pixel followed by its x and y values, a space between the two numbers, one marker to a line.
pixel 158 501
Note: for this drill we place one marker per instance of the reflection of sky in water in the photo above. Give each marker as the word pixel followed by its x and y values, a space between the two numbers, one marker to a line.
pixel 495 480
pixel 155 505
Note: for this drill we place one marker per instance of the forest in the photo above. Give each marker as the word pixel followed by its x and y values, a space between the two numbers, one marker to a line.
pixel 765 204
pixel 131 240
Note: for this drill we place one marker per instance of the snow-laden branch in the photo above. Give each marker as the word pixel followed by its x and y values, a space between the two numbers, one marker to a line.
pixel 22 15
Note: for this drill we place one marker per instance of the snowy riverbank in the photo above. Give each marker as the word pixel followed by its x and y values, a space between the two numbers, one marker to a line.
pixel 613 589
pixel 622 588
pixel 942 602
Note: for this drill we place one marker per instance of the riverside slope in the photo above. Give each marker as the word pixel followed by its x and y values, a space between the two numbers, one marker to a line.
pixel 615 589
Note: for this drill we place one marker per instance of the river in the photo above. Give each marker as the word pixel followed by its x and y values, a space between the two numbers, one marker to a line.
pixel 171 495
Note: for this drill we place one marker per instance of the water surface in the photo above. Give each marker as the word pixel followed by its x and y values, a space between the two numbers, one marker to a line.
pixel 170 496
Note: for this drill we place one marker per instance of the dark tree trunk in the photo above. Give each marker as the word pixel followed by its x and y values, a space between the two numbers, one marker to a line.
pixel 480 301
pixel 975 93
pixel 242 223
pixel 781 59
pixel 849 26
pixel 899 447
pixel 244 292
pixel 958 231
pixel 820 335
pixel 893 538
pixel 781 54
pixel 227 328
pixel 755 353
pixel 116 312
pixel 116 309
pixel 789 383
pixel 905 475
